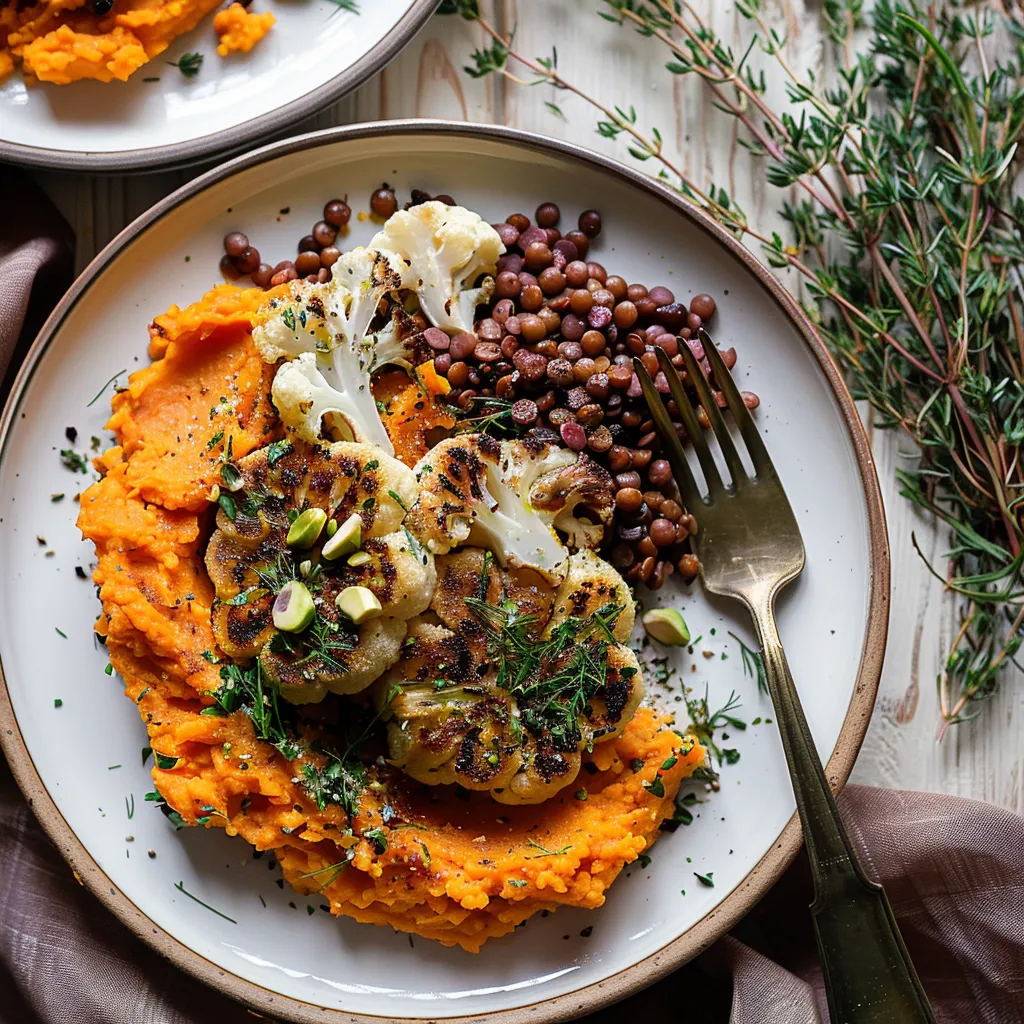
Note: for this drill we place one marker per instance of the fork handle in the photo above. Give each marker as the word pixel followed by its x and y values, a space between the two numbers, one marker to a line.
pixel 868 976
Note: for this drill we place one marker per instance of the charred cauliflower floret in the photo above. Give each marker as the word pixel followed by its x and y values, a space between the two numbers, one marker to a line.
pixel 589 585
pixel 471 575
pixel 447 724
pixel 502 696
pixel 476 489
pixel 274 534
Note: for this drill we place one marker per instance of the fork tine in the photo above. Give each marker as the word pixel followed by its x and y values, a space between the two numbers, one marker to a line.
pixel 690 422
pixel 714 414
pixel 741 414
pixel 688 489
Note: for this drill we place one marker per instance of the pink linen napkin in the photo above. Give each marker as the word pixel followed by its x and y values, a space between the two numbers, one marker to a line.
pixel 953 868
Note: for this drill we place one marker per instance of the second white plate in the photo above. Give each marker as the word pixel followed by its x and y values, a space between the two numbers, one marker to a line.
pixel 315 53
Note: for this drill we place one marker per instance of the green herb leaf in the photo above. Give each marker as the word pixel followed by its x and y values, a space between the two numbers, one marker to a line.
pixel 188 64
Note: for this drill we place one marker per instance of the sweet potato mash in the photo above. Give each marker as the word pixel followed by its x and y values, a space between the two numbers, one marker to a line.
pixel 64 41
pixel 433 861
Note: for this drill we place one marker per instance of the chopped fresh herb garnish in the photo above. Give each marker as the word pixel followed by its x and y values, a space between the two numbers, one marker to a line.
pixel 753 664
pixel 335 869
pixel 518 883
pixel 552 678
pixel 655 788
pixel 215 440
pixel 61 633
pixel 166 762
pixel 188 64
pixel 129 805
pixel 545 852
pixel 277 450
pixel 230 477
pixel 705 880
pixel 644 860
pixel 58 703
pixel 109 669
pixel 377 837
pixel 146 751
pixel 105 386
pixel 180 886
pixel 705 723
pixel 56 497
pixel 398 501
pixel 288 316
pixel 73 461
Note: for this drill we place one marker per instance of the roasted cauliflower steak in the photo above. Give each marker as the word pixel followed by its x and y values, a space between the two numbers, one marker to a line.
pixel 500 695
pixel 250 561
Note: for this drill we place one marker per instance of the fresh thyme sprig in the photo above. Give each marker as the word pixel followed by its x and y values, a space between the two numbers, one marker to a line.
pixel 906 232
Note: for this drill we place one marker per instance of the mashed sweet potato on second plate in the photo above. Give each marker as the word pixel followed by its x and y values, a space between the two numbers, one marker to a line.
pixel 65 41
pixel 432 861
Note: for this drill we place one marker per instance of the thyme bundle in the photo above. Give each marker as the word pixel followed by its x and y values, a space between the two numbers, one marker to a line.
pixel 904 228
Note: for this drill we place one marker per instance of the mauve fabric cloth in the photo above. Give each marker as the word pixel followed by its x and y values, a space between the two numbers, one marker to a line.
pixel 36 260
pixel 953 868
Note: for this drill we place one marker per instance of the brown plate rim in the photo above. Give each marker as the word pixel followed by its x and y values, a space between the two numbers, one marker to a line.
pixel 229 141
pixel 760 878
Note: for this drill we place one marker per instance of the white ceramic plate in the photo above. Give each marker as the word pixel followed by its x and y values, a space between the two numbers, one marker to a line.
pixel 832 620
pixel 313 55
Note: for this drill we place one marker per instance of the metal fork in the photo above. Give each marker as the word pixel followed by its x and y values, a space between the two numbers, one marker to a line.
pixel 749 547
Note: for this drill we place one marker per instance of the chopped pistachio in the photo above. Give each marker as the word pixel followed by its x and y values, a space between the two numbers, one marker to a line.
pixel 359 604
pixel 667 626
pixel 347 539
pixel 293 608
pixel 306 528
pixel 360 558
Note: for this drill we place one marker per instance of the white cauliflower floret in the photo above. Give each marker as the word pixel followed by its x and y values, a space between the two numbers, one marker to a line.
pixel 476 489
pixel 325 330
pixel 446 248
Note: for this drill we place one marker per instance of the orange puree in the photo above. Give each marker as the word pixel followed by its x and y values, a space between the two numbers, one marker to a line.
pixel 459 871
pixel 240 30
pixel 64 41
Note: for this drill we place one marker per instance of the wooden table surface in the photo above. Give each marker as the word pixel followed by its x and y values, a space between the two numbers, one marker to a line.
pixel 983 760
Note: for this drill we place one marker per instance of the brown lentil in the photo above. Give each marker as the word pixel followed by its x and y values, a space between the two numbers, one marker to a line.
pixel 590 223
pixel 337 213
pixel 235 244
pixel 383 202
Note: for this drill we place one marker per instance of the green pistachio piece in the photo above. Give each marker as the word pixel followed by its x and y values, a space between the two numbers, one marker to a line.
pixel 667 626
pixel 359 604
pixel 347 539
pixel 293 609
pixel 359 558
pixel 308 525
pixel 332 527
